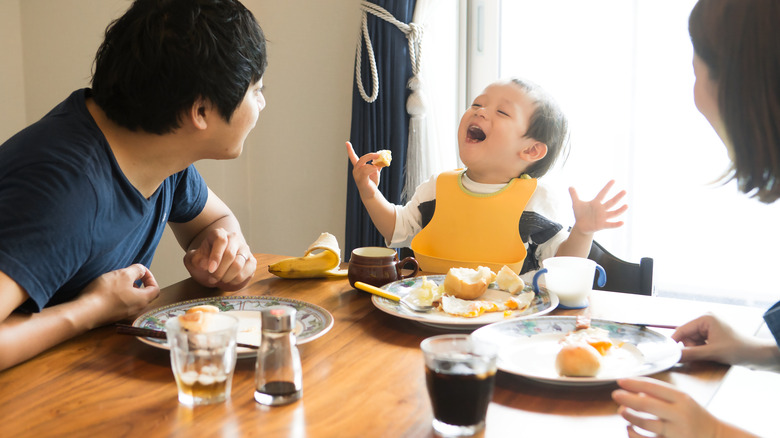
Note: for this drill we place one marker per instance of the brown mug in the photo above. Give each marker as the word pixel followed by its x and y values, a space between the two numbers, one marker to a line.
pixel 377 266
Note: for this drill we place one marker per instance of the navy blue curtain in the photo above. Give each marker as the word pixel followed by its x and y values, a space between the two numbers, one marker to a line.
pixel 383 124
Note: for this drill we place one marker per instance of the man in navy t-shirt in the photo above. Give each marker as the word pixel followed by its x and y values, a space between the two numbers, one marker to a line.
pixel 86 192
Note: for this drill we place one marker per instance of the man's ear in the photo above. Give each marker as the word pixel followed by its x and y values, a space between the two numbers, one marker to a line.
pixel 198 114
pixel 535 152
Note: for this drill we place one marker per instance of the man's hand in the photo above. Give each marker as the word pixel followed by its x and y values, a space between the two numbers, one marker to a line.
pixel 222 260
pixel 115 295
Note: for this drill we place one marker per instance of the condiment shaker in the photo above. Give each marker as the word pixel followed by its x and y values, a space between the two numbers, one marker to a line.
pixel 278 375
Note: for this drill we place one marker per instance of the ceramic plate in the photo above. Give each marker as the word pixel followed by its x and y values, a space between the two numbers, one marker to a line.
pixel 311 321
pixel 528 348
pixel 542 303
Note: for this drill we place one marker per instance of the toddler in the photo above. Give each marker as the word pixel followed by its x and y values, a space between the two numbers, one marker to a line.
pixel 493 210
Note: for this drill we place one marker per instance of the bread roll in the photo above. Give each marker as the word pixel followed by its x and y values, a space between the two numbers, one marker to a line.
pixel 385 157
pixel 195 318
pixel 467 284
pixel 205 308
pixel 578 360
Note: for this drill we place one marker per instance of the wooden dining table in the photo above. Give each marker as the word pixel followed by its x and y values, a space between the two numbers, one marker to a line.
pixel 363 378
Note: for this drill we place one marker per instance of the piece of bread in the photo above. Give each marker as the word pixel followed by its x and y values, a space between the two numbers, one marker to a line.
pixel 193 321
pixel 578 360
pixel 195 318
pixel 508 280
pixel 467 284
pixel 385 157
pixel 205 308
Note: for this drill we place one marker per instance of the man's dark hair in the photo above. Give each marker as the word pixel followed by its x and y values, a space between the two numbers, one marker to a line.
pixel 163 55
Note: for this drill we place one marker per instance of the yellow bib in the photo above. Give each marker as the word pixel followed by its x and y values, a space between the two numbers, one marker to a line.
pixel 471 230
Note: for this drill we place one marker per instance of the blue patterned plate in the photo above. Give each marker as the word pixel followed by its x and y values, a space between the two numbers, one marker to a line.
pixel 528 348
pixel 311 321
pixel 543 303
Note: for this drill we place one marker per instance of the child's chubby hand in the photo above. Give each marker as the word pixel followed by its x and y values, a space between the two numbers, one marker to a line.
pixel 599 213
pixel 366 175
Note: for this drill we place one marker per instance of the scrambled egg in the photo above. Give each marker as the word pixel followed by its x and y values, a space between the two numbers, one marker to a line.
pixel 425 295
pixel 597 338
pixel 473 308
pixel 431 294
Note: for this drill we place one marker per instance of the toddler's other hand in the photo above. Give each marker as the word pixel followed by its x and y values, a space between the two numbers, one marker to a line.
pixel 597 214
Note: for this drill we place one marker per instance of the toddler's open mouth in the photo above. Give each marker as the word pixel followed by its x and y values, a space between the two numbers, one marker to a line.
pixel 475 134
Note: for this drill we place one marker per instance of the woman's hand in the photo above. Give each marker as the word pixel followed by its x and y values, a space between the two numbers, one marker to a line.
pixel 709 338
pixel 222 260
pixel 660 408
pixel 597 214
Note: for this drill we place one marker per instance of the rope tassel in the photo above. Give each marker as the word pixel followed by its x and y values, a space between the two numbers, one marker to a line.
pixel 416 169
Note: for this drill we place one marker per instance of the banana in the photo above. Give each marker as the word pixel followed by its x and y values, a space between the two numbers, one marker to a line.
pixel 322 264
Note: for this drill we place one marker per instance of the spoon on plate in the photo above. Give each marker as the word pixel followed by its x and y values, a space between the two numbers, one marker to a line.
pixel 384 294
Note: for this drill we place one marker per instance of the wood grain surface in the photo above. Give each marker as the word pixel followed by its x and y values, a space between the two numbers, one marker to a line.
pixel 364 378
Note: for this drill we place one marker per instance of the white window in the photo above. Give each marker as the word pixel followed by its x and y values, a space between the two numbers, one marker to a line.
pixel 621 70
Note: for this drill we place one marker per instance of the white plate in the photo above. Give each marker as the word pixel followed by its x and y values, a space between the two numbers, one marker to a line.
pixel 311 321
pixel 529 347
pixel 542 303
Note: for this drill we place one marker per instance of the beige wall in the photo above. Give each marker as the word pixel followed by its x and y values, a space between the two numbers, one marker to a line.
pixel 289 185
pixel 12 105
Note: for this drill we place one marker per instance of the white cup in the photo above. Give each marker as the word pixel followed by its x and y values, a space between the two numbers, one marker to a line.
pixel 571 279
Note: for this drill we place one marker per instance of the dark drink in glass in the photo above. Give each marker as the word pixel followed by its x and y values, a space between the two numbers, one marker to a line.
pixel 460 376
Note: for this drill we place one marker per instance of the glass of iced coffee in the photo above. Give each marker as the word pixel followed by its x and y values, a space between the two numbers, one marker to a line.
pixel 203 356
pixel 460 373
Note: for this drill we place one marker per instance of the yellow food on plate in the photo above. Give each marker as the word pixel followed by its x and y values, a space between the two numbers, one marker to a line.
pixel 468 284
pixel 385 157
pixel 466 308
pixel 597 338
pixel 193 322
pixel 578 360
pixel 425 295
pixel 195 319
pixel 508 280
pixel 205 308
pixel 321 260
pixel 473 308
pixel 582 350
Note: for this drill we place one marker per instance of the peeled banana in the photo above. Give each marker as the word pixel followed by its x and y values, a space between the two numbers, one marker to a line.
pixel 322 264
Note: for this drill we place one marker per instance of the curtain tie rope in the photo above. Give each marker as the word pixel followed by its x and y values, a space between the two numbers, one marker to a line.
pixel 413 32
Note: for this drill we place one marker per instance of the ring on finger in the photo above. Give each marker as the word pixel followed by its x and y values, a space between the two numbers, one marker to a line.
pixel 246 258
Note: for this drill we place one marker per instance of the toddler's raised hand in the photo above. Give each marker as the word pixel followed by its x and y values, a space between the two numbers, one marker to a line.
pixel 366 175
pixel 597 214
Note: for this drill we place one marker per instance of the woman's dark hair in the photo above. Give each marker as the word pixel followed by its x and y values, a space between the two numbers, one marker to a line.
pixel 739 42
pixel 548 124
pixel 163 55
